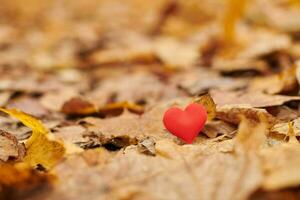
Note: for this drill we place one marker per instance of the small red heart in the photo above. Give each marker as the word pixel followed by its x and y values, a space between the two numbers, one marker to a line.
pixel 185 124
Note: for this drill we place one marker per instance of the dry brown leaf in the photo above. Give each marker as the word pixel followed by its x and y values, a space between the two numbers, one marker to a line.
pixel 10 148
pixel 41 149
pixel 233 114
pixel 283 113
pixel 250 98
pixel 147 146
pixel 78 106
pixel 214 128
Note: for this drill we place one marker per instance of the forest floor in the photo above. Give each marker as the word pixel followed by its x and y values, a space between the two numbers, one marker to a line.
pixel 84 86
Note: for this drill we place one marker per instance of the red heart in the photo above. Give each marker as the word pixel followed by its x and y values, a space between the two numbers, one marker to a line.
pixel 185 124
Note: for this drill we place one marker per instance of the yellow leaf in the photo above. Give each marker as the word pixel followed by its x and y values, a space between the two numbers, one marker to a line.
pixel 40 147
pixel 209 105
pixel 26 119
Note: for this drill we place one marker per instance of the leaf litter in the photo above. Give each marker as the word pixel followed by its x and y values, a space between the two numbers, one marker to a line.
pixel 92 79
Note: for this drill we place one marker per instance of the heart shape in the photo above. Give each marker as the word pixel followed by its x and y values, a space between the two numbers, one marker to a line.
pixel 185 124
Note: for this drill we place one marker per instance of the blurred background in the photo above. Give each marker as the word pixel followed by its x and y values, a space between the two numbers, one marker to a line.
pixel 51 34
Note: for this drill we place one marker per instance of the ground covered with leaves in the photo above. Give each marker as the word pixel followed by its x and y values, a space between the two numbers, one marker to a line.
pixel 84 86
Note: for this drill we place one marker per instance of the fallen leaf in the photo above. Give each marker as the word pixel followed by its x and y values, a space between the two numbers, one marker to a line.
pixel 107 133
pixel 214 128
pixel 209 105
pixel 233 114
pixel 41 149
pixel 283 113
pixel 147 146
pixel 79 106
pixel 250 98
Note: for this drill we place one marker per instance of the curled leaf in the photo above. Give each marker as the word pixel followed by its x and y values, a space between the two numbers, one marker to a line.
pixel 209 105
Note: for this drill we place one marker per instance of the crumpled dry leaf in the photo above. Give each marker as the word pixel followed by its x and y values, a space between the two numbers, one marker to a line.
pixel 10 148
pixel 250 98
pixel 41 149
pixel 147 146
